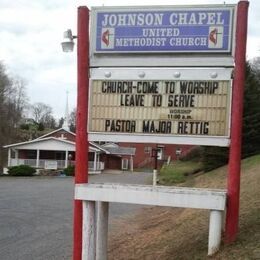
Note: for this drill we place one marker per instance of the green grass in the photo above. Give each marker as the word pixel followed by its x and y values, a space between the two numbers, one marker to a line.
pixel 251 161
pixel 177 172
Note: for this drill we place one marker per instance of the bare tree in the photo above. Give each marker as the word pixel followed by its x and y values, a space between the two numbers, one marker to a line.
pixel 42 114
pixel 18 100
pixel 40 111
pixel 13 101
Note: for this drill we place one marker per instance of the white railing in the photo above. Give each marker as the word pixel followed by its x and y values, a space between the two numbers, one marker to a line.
pixel 30 162
pixel 61 164
pixel 99 166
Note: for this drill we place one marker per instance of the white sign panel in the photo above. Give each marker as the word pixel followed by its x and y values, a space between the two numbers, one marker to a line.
pixel 168 103
pixel 51 165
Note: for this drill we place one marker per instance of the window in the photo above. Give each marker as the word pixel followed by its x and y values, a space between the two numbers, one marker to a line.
pixel 178 151
pixel 31 154
pixel 160 153
pixel 124 164
pixel 147 149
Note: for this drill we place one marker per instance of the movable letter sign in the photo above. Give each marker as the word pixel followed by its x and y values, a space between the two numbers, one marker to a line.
pixel 161 107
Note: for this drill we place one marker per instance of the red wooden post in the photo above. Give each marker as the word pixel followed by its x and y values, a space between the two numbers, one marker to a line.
pixel 233 182
pixel 82 146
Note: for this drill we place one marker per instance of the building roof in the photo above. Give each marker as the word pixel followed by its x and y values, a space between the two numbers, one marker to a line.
pixel 36 141
pixel 48 143
pixel 107 145
pixel 101 148
pixel 121 150
pixel 55 131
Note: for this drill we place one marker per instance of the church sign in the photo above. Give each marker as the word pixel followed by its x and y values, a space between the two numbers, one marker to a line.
pixel 164 29
pixel 195 105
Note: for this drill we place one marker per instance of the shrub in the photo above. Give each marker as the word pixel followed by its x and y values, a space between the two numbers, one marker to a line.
pixel 24 126
pixel 195 154
pixel 214 157
pixel 21 170
pixel 70 170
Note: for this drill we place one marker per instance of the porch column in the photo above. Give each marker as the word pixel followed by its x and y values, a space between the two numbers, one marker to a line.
pixel 16 157
pixel 95 161
pixel 9 157
pixel 131 163
pixel 66 158
pixel 37 158
pixel 98 161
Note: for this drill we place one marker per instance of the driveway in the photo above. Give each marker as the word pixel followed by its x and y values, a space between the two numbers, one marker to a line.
pixel 36 214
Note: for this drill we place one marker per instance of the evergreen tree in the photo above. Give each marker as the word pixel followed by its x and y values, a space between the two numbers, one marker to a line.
pixel 214 157
pixel 61 122
pixel 251 117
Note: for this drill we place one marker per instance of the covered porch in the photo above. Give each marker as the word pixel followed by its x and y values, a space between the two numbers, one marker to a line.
pixel 51 153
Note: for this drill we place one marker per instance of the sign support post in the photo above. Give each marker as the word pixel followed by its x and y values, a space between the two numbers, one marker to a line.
pixel 233 182
pixel 155 155
pixel 81 172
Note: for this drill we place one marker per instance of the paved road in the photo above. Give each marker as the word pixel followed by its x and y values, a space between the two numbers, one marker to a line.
pixel 36 214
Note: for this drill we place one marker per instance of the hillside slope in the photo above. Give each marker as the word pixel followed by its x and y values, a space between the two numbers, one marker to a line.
pixel 168 233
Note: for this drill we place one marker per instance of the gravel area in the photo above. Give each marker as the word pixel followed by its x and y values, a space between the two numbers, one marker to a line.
pixel 36 214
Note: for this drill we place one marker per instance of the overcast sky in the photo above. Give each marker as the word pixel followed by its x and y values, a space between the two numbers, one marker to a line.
pixel 31 33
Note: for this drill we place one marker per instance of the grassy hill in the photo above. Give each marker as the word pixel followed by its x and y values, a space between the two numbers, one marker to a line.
pixel 173 233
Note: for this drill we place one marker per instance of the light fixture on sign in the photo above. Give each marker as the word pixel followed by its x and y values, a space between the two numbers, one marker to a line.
pixel 68 45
